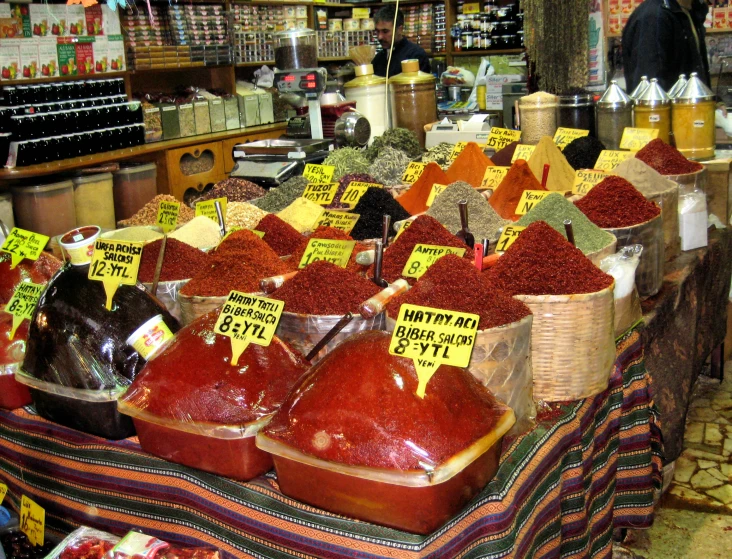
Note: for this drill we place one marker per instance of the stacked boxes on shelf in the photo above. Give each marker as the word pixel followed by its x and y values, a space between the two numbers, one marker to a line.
pixel 254 25
pixel 419 25
pixel 439 43
pixel 333 44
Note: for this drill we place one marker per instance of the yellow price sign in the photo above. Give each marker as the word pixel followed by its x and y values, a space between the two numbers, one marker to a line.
pixel 3 492
pixel 637 138
pixel 457 150
pixel 355 190
pixel 336 252
pixel 585 179
pixel 22 244
pixel 433 337
pixel 115 263
pixel 564 136
pixel 340 220
pixel 499 138
pixel 609 159
pixel 508 236
pixel 523 151
pixel 405 225
pixel 168 212
pixel 322 194
pixel 32 520
pixel 248 319
pixel 412 173
pixel 208 209
pixel 437 189
pixel 360 13
pixel 529 199
pixel 472 8
pixel 423 256
pixel 319 174
pixel 493 176
pixel 22 304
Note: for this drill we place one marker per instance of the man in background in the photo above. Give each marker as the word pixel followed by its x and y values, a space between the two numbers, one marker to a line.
pixel 403 48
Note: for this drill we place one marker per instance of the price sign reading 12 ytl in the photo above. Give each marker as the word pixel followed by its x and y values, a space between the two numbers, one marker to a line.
pixel 23 244
pixel 115 263
pixel 412 173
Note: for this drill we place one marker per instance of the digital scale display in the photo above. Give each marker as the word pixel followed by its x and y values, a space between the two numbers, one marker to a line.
pixel 310 83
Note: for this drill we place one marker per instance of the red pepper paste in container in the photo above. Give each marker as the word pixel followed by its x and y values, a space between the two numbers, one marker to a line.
pixel 572 335
pixel 615 205
pixel 36 271
pixel 282 237
pixel 353 438
pixel 670 162
pixel 336 235
pixel 316 299
pixel 12 393
pixel 191 406
pixel 500 359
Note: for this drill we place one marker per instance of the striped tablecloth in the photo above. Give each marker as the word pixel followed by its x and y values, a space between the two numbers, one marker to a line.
pixel 587 467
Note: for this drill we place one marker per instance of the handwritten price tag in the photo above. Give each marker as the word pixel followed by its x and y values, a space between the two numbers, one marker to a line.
pixel 337 252
pixel 413 172
pixel 340 220
pixel 32 520
pixel 457 150
pixel 22 244
pixel 208 209
pixel 115 263
pixel 499 138
pixel 319 174
pixel 508 236
pixel 637 138
pixel 585 179
pixel 609 159
pixel 433 337
pixel 493 177
pixel 403 228
pixel 529 199
pixel 247 319
pixel 423 256
pixel 22 305
pixel 437 189
pixel 321 194
pixel 523 151
pixel 3 492
pixel 168 215
pixel 355 191
pixel 564 136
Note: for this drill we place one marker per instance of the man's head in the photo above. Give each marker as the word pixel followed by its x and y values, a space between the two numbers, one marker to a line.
pixel 384 24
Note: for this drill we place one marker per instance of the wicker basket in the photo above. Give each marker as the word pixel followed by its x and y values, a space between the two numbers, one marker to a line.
pixel 668 201
pixel 597 256
pixel 572 344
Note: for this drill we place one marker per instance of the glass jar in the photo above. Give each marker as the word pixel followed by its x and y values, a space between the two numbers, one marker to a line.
pixel 654 117
pixel 576 111
pixel 295 49
pixel 693 114
pixel 538 116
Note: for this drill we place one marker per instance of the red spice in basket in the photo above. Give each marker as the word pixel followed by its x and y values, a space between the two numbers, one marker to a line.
pixel 37 271
pixel 614 202
pixel 337 235
pixel 453 283
pixel 666 159
pixel 542 262
pixel 322 288
pixel 181 261
pixel 280 235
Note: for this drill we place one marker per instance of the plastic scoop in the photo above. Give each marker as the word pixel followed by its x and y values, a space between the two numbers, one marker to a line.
pixel 376 304
pixel 478 248
pixel 464 234
pixel 159 265
pixel 268 285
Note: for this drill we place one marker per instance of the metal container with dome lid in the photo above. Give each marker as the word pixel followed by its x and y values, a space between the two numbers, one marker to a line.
pixel 640 88
pixel 576 110
pixel 369 92
pixel 693 119
pixel 678 86
pixel 295 49
pixel 413 99
pixel 614 112
pixel 653 110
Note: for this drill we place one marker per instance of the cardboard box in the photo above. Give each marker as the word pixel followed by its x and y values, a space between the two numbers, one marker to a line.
pixel 613 7
pixel 66 51
pixel 720 18
pixel 10 60
pixel 76 18
pixel 48 56
pixel 21 11
pixel 39 18
pixel 11 28
pixel 85 55
pixel 116 53
pixel 29 65
pixel 101 54
pixel 58 20
pixel 93 20
pixel 110 21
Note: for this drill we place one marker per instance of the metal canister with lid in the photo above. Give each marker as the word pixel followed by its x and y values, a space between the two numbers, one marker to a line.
pixel 640 88
pixel 576 111
pixel 678 86
pixel 413 99
pixel 614 113
pixel 693 119
pixel 653 110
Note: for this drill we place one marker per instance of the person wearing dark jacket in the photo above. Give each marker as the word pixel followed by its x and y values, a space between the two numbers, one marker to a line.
pixel 665 38
pixel 403 48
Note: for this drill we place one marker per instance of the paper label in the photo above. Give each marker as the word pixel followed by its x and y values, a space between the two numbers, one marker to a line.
pixel 403 228
pixel 508 236
pixel 3 492
pixel 321 193
pixel 457 150
pixel 340 220
pixel 319 173
pixel 529 199
pixel 423 256
pixel 115 263
pixel 472 8
pixel 585 179
pixel 433 337
pixel 355 190
pixel 23 244
pixel 22 304
pixel 564 136
pixel 499 138
pixel 248 319
pixel 208 209
pixel 412 173
pixel 437 189
pixel 609 159
pixel 523 151
pixel 168 215
pixel 493 177
pixel 637 138
pixel 336 252
pixel 32 520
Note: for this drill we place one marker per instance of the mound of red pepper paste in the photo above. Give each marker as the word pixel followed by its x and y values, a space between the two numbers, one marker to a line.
pixel 335 234
pixel 278 234
pixel 358 406
pixel 614 202
pixel 666 159
pixel 240 262
pixel 542 262
pixel 452 283
pixel 181 261
pixel 322 288
pixel 37 271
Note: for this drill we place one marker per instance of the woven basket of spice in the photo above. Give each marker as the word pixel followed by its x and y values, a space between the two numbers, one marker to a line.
pixel 194 306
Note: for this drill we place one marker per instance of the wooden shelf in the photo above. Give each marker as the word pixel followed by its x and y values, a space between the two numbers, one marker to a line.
pixel 176 69
pixel 334 58
pixel 257 63
pixel 712 30
pixel 105 76
pixel 486 52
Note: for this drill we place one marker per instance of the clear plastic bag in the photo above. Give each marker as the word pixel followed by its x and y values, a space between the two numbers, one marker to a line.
pixel 84 543
pixel 622 266
pixel 693 220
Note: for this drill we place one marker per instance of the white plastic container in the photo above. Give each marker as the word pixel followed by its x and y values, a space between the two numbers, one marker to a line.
pixel 369 92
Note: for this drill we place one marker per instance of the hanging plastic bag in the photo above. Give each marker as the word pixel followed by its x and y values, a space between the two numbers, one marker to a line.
pixel 693 220
pixel 622 266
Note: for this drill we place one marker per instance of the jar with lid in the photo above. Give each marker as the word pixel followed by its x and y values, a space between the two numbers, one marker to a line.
pixel 456 32
pixel 693 111
pixel 640 88
pixel 677 87
pixel 413 99
pixel 295 49
pixel 576 111
pixel 538 116
pixel 653 110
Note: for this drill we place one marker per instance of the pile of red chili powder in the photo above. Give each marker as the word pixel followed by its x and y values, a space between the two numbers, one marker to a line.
pixel 666 159
pixel 280 235
pixel 181 261
pixel 452 283
pixel 239 262
pixel 614 202
pixel 322 288
pixel 542 262
pixel 335 234
pixel 424 230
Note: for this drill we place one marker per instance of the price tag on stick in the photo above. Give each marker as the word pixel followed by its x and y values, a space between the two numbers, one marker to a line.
pixel 248 319
pixel 565 136
pixel 637 138
pixel 609 159
pixel 318 173
pixel 355 191
pixel 115 263
pixel 336 252
pixel 437 189
pixel 322 194
pixel 423 256
pixel 585 179
pixel 412 173
pixel 208 209
pixel 433 337
pixel 168 216
pixel 499 138
pixel 529 199
pixel 32 520
pixel 23 303
pixel 344 221
pixel 3 492
pixel 22 244
pixel 523 151
pixel 493 176
pixel 508 236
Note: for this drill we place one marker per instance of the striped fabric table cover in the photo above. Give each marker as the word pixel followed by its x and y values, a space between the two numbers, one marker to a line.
pixel 589 466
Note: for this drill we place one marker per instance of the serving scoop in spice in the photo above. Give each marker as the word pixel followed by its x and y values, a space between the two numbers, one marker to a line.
pixel 332 333
pixel 376 304
pixel 271 284
pixel 159 266
pixel 464 234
